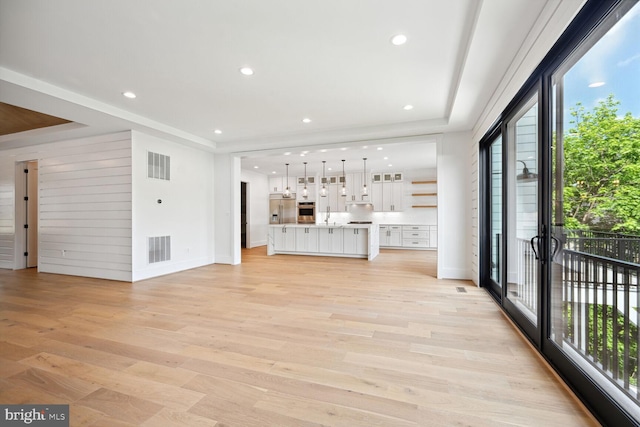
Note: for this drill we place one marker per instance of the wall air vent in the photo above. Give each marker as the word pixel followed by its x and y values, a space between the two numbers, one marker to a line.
pixel 159 249
pixel 158 166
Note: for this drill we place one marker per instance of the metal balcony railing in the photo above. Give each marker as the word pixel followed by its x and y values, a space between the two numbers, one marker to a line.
pixel 622 247
pixel 600 317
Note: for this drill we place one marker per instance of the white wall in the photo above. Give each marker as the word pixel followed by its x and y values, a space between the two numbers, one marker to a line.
pixel 186 212
pixel 454 206
pixel 84 206
pixel 227 209
pixel 257 207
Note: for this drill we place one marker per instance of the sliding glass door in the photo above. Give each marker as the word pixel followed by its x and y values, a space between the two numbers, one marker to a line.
pixel 522 193
pixel 560 241
pixel 595 217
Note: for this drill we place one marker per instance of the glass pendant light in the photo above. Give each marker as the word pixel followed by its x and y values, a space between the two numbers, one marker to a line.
pixel 323 190
pixel 287 190
pixel 344 182
pixel 305 192
pixel 364 179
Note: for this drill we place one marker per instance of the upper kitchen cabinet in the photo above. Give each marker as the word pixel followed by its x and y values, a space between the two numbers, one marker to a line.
pixel 355 185
pixel 311 189
pixel 387 191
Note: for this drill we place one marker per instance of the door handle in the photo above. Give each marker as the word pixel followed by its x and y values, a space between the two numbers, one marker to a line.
pixel 533 245
pixel 555 247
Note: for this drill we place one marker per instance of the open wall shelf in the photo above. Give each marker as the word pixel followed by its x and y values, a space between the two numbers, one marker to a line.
pixel 424 199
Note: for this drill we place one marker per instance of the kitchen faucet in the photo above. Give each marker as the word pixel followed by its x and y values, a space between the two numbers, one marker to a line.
pixel 326 218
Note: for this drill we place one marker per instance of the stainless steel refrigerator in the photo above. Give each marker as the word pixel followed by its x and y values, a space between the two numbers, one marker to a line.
pixel 282 210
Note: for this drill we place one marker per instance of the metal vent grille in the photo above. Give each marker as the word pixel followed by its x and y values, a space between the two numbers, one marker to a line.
pixel 159 249
pixel 158 166
pixel 461 290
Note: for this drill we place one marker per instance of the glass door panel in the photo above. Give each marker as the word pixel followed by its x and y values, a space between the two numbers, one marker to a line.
pixel 595 211
pixel 495 212
pixel 522 212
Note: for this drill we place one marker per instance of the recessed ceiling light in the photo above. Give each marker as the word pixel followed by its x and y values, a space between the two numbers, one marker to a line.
pixel 379 148
pixel 398 39
pixel 330 169
pixel 129 94
pixel 386 158
pixel 287 153
pixel 596 84
pixel 390 165
pixel 344 149
pixel 256 167
pixel 217 131
pixel 408 107
pixel 324 150
pixel 306 120
pixel 302 154
pixel 246 71
pixel 365 146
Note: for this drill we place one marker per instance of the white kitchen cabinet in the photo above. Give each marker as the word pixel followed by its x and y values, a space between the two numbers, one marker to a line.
pixel 276 184
pixel 354 188
pixel 284 239
pixel 387 194
pixel 356 241
pixel 330 240
pixel 415 236
pixel 334 200
pixel 307 239
pixel 391 235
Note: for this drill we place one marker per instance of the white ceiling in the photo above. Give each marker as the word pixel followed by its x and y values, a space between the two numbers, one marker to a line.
pixel 328 60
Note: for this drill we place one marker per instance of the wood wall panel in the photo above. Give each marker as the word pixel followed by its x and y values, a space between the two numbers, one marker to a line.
pixel 7 221
pixel 78 186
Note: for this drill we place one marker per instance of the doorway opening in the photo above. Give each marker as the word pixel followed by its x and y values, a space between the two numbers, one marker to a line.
pixel 243 215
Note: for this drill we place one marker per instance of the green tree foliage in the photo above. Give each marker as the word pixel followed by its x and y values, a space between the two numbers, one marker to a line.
pixel 602 169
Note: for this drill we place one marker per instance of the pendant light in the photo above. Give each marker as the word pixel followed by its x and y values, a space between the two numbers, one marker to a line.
pixel 323 190
pixel 344 182
pixel 364 179
pixel 287 191
pixel 305 192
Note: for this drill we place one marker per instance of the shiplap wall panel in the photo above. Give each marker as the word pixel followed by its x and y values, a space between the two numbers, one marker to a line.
pixel 88 206
pixel 91 165
pixel 72 216
pixel 53 183
pixel 91 173
pixel 7 220
pixel 100 270
pixel 93 190
pixel 90 232
pixel 106 241
pixel 88 198
pixel 85 209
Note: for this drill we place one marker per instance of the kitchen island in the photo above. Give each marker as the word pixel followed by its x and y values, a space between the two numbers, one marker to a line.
pixel 337 240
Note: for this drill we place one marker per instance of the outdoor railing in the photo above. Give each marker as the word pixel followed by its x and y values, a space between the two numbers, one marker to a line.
pixel 600 315
pixel 595 302
pixel 623 247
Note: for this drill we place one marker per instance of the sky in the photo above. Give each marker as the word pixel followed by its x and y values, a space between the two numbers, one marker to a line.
pixel 613 63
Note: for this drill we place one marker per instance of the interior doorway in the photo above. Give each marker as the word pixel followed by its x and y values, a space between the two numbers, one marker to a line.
pixel 243 215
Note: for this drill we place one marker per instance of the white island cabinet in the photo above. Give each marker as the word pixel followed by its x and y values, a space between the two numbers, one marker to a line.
pixel 284 238
pixel 330 240
pixel 349 240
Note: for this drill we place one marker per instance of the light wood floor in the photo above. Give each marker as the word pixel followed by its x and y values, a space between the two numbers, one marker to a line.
pixel 275 341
